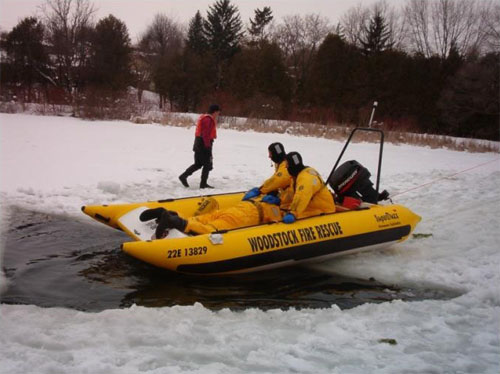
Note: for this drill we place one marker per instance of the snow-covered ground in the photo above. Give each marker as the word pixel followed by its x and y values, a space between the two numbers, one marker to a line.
pixel 56 165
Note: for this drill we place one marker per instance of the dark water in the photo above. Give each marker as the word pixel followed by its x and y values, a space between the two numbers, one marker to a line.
pixel 57 261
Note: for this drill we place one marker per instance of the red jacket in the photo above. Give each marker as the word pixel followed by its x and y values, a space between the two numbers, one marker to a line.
pixel 206 129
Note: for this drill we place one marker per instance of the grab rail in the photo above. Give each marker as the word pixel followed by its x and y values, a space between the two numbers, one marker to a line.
pixel 381 149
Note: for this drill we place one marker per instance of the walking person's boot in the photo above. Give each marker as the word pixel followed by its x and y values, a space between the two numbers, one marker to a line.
pixel 183 179
pixel 204 178
pixel 190 170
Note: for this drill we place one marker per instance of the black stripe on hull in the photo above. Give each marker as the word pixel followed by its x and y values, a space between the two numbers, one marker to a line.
pixel 299 253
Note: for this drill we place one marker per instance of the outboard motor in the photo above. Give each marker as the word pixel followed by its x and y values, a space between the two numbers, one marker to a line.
pixel 351 179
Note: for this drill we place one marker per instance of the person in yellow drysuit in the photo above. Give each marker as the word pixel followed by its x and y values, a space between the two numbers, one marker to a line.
pixel 311 195
pixel 245 213
pixel 279 183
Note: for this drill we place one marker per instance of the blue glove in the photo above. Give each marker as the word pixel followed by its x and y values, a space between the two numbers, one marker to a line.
pixel 252 193
pixel 271 199
pixel 289 218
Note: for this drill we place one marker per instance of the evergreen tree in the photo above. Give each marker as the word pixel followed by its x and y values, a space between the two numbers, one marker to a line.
pixel 196 39
pixel 223 30
pixel 470 104
pixel 111 54
pixel 261 20
pixel 260 69
pixel 334 78
pixel 26 55
pixel 258 80
pixel 189 79
pixel 377 36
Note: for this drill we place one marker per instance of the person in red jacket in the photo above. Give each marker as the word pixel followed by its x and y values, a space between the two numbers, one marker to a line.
pixel 206 132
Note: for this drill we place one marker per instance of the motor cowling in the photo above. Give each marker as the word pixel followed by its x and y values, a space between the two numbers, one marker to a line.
pixel 351 179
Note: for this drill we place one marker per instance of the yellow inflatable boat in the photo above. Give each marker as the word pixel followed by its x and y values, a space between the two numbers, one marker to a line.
pixel 365 226
pixel 258 247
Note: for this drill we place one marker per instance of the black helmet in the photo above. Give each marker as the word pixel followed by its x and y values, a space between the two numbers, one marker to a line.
pixel 213 108
pixel 295 165
pixel 277 152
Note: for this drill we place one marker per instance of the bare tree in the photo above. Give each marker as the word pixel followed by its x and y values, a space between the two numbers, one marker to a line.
pixel 69 24
pixel 141 73
pixel 417 16
pixel 490 19
pixel 162 41
pixel 438 26
pixel 163 37
pixel 353 23
pixel 299 38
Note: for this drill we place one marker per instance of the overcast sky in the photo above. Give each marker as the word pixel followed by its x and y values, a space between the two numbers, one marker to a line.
pixel 138 14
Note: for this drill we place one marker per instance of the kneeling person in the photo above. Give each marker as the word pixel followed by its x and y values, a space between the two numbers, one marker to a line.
pixel 279 183
pixel 311 196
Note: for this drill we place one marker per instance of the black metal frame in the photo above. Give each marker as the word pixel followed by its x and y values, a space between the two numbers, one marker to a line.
pixel 369 129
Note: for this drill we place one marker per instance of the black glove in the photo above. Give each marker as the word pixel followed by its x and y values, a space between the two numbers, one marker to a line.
pixel 384 195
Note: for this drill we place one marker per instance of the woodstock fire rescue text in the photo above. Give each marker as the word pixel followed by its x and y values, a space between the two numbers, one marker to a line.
pixel 291 237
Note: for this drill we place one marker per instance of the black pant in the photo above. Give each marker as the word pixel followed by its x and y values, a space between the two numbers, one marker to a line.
pixel 202 160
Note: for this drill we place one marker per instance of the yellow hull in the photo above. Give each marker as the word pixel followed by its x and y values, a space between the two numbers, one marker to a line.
pixel 264 246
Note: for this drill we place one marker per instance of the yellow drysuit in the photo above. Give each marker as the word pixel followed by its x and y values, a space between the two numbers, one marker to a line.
pixel 245 213
pixel 280 181
pixel 311 195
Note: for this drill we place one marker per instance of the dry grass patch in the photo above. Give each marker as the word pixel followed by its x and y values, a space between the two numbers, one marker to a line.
pixel 337 132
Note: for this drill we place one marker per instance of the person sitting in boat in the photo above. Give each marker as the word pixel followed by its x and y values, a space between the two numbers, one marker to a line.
pixel 279 183
pixel 245 213
pixel 311 195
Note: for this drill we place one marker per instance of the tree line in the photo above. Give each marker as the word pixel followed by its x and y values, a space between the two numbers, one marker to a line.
pixel 433 65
